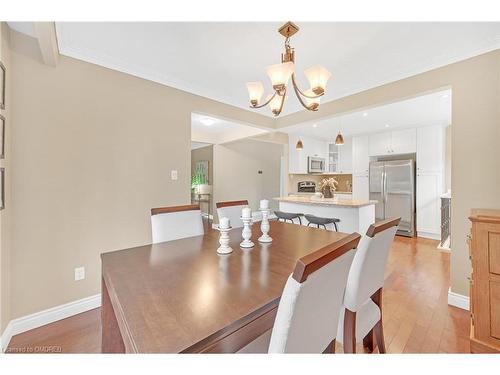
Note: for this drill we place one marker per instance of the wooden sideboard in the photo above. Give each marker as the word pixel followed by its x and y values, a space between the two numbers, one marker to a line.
pixel 484 252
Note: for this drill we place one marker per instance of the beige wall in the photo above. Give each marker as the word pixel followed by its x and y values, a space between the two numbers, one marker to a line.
pixel 447 158
pixel 236 167
pixel 475 138
pixel 92 153
pixel 5 214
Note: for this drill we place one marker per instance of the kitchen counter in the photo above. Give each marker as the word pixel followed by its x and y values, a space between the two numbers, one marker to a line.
pixel 325 201
pixel 354 215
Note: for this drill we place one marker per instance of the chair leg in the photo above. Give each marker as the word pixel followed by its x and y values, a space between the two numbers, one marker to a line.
pixel 335 225
pixel 368 341
pixel 330 349
pixel 379 329
pixel 300 221
pixel 349 343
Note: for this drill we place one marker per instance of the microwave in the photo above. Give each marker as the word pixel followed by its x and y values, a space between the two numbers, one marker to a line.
pixel 315 165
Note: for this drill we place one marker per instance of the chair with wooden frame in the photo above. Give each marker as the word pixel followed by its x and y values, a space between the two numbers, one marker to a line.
pixel 361 315
pixel 231 210
pixel 172 223
pixel 309 308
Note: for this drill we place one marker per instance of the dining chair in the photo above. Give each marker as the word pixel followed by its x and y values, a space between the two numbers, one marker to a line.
pixel 361 313
pixel 232 210
pixel 309 308
pixel 172 223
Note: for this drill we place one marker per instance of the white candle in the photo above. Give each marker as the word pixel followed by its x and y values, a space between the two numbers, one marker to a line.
pixel 224 223
pixel 264 204
pixel 246 212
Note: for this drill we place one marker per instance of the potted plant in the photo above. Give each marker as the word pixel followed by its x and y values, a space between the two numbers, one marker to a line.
pixel 328 186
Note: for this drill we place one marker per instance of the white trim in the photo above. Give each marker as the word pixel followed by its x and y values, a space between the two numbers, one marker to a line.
pixel 432 236
pixel 458 300
pixel 41 318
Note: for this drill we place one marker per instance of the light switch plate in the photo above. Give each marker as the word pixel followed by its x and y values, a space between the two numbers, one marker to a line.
pixel 79 273
pixel 173 175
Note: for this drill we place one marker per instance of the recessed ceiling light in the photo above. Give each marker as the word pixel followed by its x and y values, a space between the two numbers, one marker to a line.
pixel 207 121
pixel 315 125
pixel 386 125
pixel 365 114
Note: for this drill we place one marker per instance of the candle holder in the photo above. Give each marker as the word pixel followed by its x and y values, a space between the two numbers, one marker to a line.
pixel 224 247
pixel 246 233
pixel 264 227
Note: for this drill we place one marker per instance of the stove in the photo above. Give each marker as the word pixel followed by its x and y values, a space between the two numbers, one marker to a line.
pixel 306 187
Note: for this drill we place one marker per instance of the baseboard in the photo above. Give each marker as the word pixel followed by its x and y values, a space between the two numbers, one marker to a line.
pixel 458 300
pixel 41 318
pixel 432 236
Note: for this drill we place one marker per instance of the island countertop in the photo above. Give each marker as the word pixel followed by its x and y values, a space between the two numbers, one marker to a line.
pixel 326 201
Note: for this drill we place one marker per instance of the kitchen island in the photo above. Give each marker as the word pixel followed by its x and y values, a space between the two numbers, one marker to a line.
pixel 354 215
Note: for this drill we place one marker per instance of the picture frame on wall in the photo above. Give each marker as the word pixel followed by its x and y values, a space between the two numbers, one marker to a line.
pixel 2 137
pixel 2 188
pixel 2 85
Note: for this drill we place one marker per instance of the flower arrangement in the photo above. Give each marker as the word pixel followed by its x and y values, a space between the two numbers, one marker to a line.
pixel 328 186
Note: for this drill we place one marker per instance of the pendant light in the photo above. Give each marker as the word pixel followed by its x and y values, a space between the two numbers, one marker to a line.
pixel 299 145
pixel 339 141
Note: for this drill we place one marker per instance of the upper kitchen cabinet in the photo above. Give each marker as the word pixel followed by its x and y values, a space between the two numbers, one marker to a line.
pixel 394 142
pixel 340 157
pixel 430 149
pixel 360 156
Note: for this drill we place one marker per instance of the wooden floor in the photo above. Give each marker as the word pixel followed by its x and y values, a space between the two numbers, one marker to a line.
pixel 417 318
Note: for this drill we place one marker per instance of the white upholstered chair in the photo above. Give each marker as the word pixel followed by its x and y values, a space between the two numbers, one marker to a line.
pixel 309 308
pixel 361 314
pixel 232 210
pixel 172 223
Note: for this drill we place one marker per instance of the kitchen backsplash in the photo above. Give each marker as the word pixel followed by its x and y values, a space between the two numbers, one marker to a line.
pixel 345 181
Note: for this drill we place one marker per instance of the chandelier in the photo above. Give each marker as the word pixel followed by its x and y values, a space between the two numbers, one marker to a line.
pixel 280 74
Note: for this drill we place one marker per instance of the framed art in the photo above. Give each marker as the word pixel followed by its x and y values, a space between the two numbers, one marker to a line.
pixel 2 137
pixel 2 86
pixel 2 188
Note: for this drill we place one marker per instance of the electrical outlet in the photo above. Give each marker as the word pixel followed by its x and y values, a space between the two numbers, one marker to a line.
pixel 79 273
pixel 173 174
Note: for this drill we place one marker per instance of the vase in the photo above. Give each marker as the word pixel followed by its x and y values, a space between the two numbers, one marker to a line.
pixel 327 192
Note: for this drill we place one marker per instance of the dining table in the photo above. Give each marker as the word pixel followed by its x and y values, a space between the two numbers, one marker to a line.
pixel 181 296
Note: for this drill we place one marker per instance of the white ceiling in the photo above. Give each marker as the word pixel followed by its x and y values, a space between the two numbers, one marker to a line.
pixel 197 145
pixel 427 110
pixel 216 59
pixel 208 129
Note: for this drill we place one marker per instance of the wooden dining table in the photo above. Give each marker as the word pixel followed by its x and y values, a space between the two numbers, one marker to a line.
pixel 182 297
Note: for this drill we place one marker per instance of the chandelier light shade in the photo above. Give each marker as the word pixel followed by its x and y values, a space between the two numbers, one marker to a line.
pixel 311 100
pixel 255 91
pixel 280 74
pixel 299 145
pixel 317 76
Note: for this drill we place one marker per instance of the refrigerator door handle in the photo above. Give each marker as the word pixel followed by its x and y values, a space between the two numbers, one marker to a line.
pixel 382 187
pixel 385 186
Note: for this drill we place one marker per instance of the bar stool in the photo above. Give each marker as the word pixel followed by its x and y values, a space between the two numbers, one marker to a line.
pixel 323 221
pixel 288 216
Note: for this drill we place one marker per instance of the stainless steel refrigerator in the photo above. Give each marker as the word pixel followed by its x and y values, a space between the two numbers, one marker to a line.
pixel 392 184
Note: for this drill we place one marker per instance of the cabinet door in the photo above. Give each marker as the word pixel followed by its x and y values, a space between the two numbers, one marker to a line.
pixel 403 141
pixel 430 149
pixel 333 158
pixel 428 203
pixel 346 156
pixel 360 157
pixel 380 144
pixel 360 189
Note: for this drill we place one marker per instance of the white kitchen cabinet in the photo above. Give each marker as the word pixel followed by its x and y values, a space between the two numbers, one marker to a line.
pixel 392 143
pixel 429 189
pixel 360 156
pixel 430 149
pixel 403 141
pixel 340 157
pixel 360 187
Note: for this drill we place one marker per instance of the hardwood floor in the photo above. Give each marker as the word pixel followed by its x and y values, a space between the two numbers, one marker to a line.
pixel 417 317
